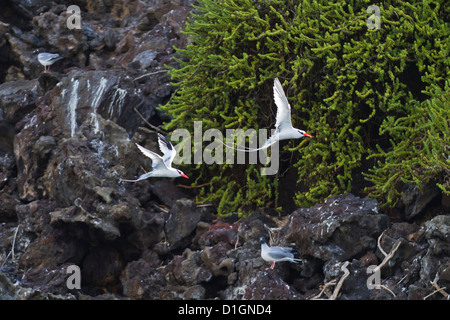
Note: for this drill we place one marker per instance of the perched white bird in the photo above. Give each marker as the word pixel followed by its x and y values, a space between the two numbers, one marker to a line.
pixel 47 59
pixel 276 254
pixel 283 125
pixel 162 166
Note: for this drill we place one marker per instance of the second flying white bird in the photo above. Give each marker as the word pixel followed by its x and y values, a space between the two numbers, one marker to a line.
pixel 283 125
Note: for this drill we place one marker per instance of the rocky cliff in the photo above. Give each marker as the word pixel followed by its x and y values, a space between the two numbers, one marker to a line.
pixel 67 138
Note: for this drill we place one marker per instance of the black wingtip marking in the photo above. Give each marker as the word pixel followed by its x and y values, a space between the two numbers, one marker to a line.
pixel 166 142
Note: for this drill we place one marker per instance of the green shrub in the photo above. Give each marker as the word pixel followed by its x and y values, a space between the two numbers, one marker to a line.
pixel 343 82
pixel 420 149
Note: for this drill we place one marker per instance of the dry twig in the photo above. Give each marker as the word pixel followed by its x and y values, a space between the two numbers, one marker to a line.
pixel 387 289
pixel 438 289
pixel 333 282
pixel 11 253
pixel 194 187
pixel 14 243
pixel 148 123
pixel 149 74
pixel 387 256
pixel 341 281
pixel 324 287
pixel 202 205
pixel 273 234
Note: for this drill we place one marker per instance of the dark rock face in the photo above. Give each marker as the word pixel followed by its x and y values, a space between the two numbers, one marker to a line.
pixel 182 221
pixel 340 228
pixel 67 137
pixel 18 98
pixel 414 200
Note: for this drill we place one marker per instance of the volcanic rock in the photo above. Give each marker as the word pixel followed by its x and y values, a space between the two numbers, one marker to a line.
pixel 341 228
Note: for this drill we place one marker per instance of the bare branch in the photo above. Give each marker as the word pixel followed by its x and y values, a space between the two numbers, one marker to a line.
pixel 148 123
pixel 324 287
pixel 333 282
pixel 379 244
pixel 387 289
pixel 149 74
pixel 438 289
pixel 341 281
pixel 14 243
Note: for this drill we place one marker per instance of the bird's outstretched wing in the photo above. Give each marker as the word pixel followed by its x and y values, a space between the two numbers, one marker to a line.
pixel 283 120
pixel 157 160
pixel 167 149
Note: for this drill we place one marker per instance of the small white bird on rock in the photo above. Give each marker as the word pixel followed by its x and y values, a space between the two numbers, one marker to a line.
pixel 276 254
pixel 47 59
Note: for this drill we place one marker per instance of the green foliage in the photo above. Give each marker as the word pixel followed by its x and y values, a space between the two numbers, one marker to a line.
pixel 420 148
pixel 343 81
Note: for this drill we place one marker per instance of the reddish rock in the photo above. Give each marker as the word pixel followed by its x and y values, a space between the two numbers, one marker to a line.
pixel 267 285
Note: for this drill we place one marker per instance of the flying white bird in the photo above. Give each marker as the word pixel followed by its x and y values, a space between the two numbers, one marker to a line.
pixel 283 125
pixel 162 166
pixel 47 59
pixel 276 254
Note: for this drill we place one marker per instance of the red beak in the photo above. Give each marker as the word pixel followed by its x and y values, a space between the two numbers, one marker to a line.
pixel 307 135
pixel 185 176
